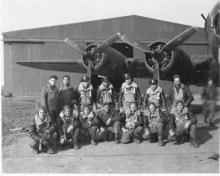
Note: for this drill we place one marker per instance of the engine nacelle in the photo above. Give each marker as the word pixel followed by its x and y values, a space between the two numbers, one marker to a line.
pixel 110 62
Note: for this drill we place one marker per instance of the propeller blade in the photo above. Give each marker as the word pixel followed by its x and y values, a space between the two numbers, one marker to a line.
pixel 76 46
pixel 135 44
pixel 156 73
pixel 89 72
pixel 107 42
pixel 179 39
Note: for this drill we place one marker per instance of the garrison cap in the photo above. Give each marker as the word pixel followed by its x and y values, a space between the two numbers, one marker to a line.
pixel 85 79
pixel 210 78
pixel 176 76
pixel 127 76
pixel 53 76
pixel 66 107
pixel 153 82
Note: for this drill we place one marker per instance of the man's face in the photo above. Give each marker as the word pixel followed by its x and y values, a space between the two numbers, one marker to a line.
pixel 153 86
pixel 128 81
pixel 52 81
pixel 133 107
pixel 210 82
pixel 86 84
pixel 176 81
pixel 106 108
pixel 66 81
pixel 42 114
pixel 105 84
pixel 86 110
pixel 116 106
pixel 152 108
pixel 179 107
pixel 67 112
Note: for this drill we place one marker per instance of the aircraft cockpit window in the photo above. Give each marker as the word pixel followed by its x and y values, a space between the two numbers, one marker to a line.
pixel 124 48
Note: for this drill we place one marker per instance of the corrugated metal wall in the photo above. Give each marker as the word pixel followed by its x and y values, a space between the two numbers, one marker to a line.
pixel 28 81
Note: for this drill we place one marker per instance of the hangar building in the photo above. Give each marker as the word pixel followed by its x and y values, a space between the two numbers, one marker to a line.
pixel 46 44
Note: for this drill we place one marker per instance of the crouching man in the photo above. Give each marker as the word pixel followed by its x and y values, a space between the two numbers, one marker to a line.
pixel 154 124
pixel 133 125
pixel 68 126
pixel 43 133
pixel 184 124
pixel 89 124
pixel 111 120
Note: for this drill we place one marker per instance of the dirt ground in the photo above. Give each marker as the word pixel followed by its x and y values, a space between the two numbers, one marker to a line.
pixel 106 157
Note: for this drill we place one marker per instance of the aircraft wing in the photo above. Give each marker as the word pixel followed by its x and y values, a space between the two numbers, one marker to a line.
pixel 66 66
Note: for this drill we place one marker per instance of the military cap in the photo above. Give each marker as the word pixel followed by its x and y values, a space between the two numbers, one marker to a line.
pixel 53 76
pixel 153 82
pixel 85 79
pixel 176 76
pixel 105 79
pixel 66 107
pixel 127 76
pixel 210 78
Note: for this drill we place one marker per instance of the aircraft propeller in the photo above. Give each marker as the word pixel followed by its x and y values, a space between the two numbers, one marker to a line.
pixel 159 56
pixel 92 53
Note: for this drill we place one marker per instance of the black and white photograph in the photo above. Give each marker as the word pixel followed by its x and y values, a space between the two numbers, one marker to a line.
pixel 110 86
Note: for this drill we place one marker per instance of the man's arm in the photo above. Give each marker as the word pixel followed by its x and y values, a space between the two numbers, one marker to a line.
pixel 189 96
pixel 32 131
pixel 138 97
pixel 163 100
pixel 43 98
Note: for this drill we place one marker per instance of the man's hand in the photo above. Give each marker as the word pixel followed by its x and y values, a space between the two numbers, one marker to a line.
pixel 102 129
pixel 89 122
pixel 108 121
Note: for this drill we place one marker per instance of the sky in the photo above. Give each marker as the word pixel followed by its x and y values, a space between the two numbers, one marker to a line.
pixel 24 14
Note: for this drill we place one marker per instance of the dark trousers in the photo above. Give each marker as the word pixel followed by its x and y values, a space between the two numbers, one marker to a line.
pixel 90 132
pixel 46 143
pixel 108 131
pixel 131 133
pixel 53 114
pixel 209 107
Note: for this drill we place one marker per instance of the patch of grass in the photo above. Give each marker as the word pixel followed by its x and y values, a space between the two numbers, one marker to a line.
pixel 16 112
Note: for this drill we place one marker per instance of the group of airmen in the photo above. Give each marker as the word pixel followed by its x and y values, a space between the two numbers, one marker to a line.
pixel 73 116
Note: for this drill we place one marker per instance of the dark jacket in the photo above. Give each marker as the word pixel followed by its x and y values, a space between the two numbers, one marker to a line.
pixel 114 115
pixel 137 122
pixel 68 95
pixel 159 116
pixel 209 93
pixel 91 117
pixel 187 95
pixel 37 130
pixel 64 122
pixel 50 98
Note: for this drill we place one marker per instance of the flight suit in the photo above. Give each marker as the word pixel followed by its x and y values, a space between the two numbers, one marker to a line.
pixel 68 128
pixel 106 95
pixel 129 93
pixel 85 93
pixel 156 96
pixel 43 135
pixel 184 124
pixel 89 125
pixel 133 127
pixel 154 125
pixel 114 127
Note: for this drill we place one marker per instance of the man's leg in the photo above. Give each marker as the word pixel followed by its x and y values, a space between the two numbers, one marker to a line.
pixel 75 136
pixel 126 136
pixel 34 144
pixel 92 132
pixel 160 131
pixel 137 134
pixel 117 130
pixel 193 135
pixel 212 112
pixel 205 111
